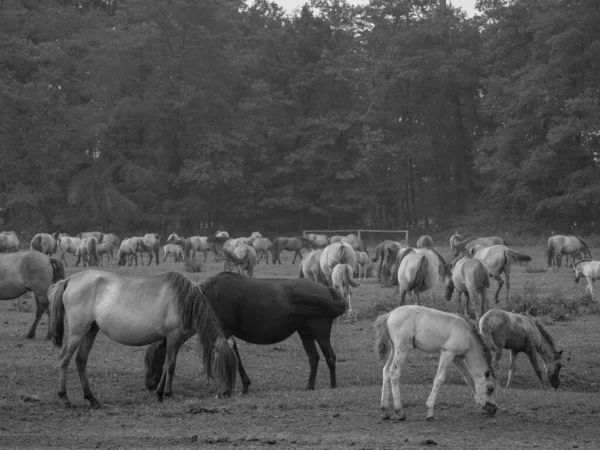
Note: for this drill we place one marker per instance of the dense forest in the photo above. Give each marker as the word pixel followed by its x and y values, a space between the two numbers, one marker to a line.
pixel 156 115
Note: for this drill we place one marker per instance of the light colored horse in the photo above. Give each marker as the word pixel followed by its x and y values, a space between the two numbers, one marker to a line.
pixel 588 269
pixel 334 254
pixel 9 242
pixel 559 245
pixel 88 251
pixel 255 235
pixel 425 241
pixel 318 240
pixel 151 244
pixel 471 279
pixel 222 234
pixel 430 330
pixel 243 257
pixel 173 250
pixel 128 251
pixel 106 248
pixel 112 238
pixel 137 311
pixel 67 244
pixel 356 243
pixel 262 246
pixel 200 244
pixel 386 252
pixel 310 267
pixel 293 244
pixel 519 333
pixel 44 243
pixel 342 280
pixel 499 259
pixel 97 234
pixel 417 270
pixel 459 244
pixel 362 261
pixel 336 238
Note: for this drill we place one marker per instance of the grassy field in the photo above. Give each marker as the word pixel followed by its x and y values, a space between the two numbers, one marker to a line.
pixel 277 411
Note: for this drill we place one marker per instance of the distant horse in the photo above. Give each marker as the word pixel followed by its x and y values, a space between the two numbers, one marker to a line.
pixel 264 312
pixel 29 271
pixel 387 253
pixel 430 330
pixel 106 248
pixel 9 242
pixel 425 241
pixel 336 253
pixel 255 235
pixel 222 234
pixel 362 262
pixel 498 259
pixel 112 238
pixel 151 245
pixel 559 245
pixel 262 246
pixel 88 251
pixel 44 243
pixel 318 240
pixel 417 270
pixel 342 280
pixel 336 238
pixel 310 267
pixel 128 251
pixel 136 311
pixel 67 244
pixel 173 250
pixel 471 279
pixel 588 269
pixel 97 234
pixel 356 243
pixel 459 244
pixel 293 244
pixel 197 244
pixel 519 333
pixel 243 257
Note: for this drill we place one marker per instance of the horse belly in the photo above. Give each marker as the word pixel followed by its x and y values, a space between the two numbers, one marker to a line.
pixel 10 290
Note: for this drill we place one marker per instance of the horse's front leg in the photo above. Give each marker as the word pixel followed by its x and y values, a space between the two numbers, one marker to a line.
pixel 500 281
pixel 531 354
pixel 590 286
pixel 81 361
pixel 395 370
pixel 445 359
pixel 308 342
pixel 512 366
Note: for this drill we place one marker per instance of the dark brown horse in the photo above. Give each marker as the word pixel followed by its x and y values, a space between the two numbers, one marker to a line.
pixel 293 244
pixel 29 271
pixel 264 312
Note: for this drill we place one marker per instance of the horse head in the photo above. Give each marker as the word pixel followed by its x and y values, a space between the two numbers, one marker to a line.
pixel 553 369
pixel 485 392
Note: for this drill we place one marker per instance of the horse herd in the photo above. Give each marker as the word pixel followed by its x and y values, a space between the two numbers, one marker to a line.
pixel 166 310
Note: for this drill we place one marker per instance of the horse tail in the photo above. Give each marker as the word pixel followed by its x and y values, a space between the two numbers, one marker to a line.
pixel 444 267
pixel 383 341
pixel 196 313
pixel 396 265
pixel 93 250
pixel 58 270
pixel 301 274
pixel 349 276
pixel 57 316
pixel 550 252
pixel 482 277
pixel 36 243
pixel 516 257
pixel 377 253
pixel 154 360
pixel 419 279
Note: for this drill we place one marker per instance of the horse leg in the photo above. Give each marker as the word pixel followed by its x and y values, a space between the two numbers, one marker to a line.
pixel 462 367
pixel 531 354
pixel 590 287
pixel 512 366
pixel 205 255
pixel 296 253
pixel 308 341
pixel 507 276
pixel 394 371
pixel 243 375
pixel 165 386
pixel 500 281
pixel 41 306
pixel 72 343
pixel 63 259
pixel 403 293
pixel 386 388
pixel 81 360
pixel 446 358
pixel 325 346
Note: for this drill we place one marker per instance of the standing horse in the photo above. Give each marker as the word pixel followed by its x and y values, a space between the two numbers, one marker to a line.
pixel 430 330
pixel 29 271
pixel 264 312
pixel 150 244
pixel 67 244
pixel 386 252
pixel 88 251
pixel 9 242
pixel 425 241
pixel 243 256
pixel 471 279
pixel 106 248
pixel 588 269
pixel 559 245
pixel 459 244
pixel 262 246
pixel 519 333
pixel 128 251
pixel 498 259
pixel 112 238
pixel 310 267
pixel 318 240
pixel 174 250
pixel 342 280
pixel 97 234
pixel 197 244
pixel 293 244
pixel 336 253
pixel 137 311
pixel 44 243
pixel 363 263
pixel 417 270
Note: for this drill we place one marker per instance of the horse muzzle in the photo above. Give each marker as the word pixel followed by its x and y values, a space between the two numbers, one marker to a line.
pixel 489 409
pixel 555 382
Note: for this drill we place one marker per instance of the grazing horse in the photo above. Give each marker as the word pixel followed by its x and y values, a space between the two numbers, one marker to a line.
pixel 44 243
pixel 128 251
pixel 425 241
pixel 471 279
pixel 243 256
pixel 136 311
pixel 417 270
pixel 520 333
pixel 559 245
pixel 106 248
pixel 222 234
pixel 293 244
pixel 336 253
pixel 356 243
pixel 362 261
pixel 262 246
pixel 498 259
pixel 97 234
pixel 29 271
pixel 459 244
pixel 318 240
pixel 266 311
pixel 430 330
pixel 112 238
pixel 588 269
pixel 174 250
pixel 342 280
pixel 150 244
pixel 197 244
pixel 310 267
pixel 67 244
pixel 9 242
pixel 386 252
pixel 88 251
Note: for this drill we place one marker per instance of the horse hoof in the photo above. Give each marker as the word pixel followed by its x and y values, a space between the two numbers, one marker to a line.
pixel 159 397
pixel 430 418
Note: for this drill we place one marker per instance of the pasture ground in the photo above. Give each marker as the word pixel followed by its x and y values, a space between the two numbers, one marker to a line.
pixel 278 412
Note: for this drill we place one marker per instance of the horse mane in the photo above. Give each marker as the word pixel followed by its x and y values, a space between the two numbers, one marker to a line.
pixel 487 352
pixel 545 335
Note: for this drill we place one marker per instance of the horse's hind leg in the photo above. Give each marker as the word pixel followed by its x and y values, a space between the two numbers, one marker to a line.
pixel 512 366
pixel 445 359
pixel 72 343
pixel 395 370
pixel 327 349
pixel 41 307
pixel 81 360
pixel 308 342
pixel 297 253
pixel 500 281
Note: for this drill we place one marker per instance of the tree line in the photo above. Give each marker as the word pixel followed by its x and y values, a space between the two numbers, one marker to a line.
pixel 152 115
